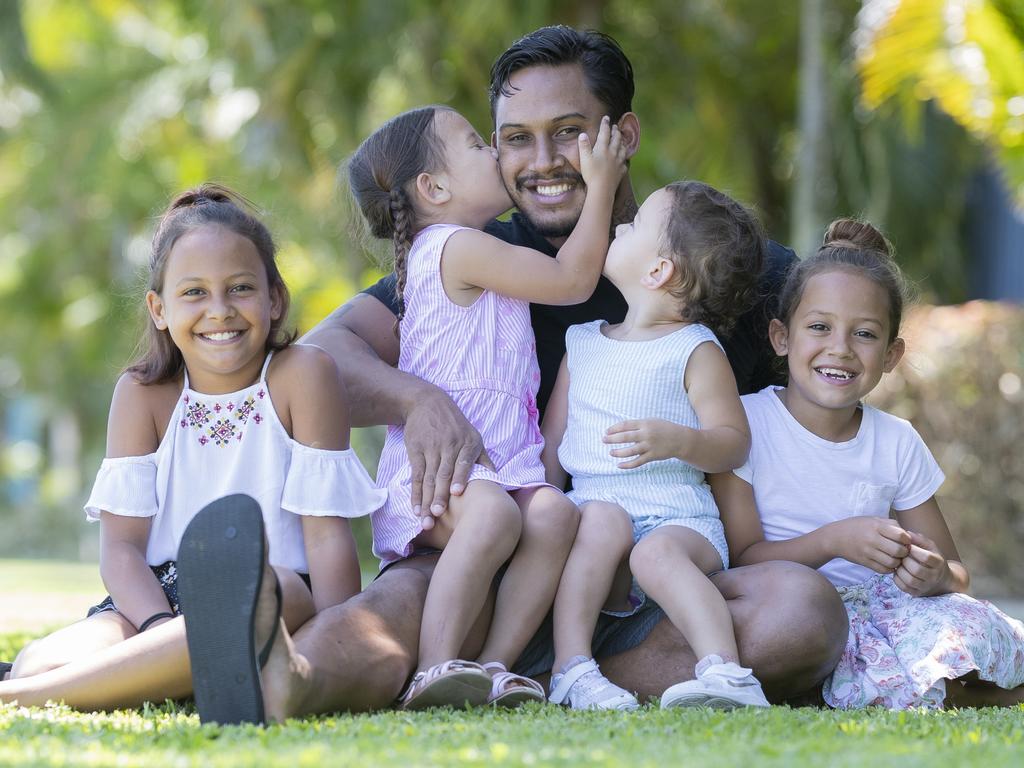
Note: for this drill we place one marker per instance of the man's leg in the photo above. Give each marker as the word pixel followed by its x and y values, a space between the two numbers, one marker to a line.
pixel 356 656
pixel 790 625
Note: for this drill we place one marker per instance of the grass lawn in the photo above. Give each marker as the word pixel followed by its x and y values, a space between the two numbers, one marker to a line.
pixel 170 735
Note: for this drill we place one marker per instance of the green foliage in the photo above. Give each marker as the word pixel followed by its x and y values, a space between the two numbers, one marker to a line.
pixel 535 736
pixel 109 107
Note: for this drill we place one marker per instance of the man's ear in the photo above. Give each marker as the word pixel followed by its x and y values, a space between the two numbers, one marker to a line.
pixel 155 306
pixel 660 272
pixel 893 354
pixel 778 334
pixel 494 139
pixel 433 188
pixel 629 126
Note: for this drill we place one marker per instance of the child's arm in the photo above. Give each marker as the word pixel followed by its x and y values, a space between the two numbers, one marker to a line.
pixel 556 416
pixel 933 566
pixel 723 440
pixel 131 431
pixel 476 260
pixel 314 397
pixel 874 542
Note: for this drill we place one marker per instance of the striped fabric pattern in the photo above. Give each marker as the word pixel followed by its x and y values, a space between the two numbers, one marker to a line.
pixel 612 380
pixel 485 358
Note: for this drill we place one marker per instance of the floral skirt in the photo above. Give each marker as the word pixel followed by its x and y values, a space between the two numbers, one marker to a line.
pixel 902 649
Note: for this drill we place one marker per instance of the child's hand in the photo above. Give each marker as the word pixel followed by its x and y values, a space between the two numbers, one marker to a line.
pixel 874 542
pixel 923 571
pixel 652 440
pixel 603 160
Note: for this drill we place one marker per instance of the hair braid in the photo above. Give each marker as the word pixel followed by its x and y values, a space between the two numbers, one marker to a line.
pixel 403 220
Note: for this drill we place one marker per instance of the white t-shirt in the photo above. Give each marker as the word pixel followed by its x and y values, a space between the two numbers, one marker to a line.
pixel 802 481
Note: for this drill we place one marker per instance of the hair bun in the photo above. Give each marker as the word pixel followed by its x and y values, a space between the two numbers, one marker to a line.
pixel 859 235
pixel 205 193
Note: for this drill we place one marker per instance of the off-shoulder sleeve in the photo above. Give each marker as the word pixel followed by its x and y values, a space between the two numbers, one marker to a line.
pixel 327 483
pixel 124 486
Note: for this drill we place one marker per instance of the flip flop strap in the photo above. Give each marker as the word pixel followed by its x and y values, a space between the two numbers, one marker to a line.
pixel 569 679
pixel 265 653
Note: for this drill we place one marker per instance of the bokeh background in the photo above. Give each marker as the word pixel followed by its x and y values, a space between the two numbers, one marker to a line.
pixel 910 113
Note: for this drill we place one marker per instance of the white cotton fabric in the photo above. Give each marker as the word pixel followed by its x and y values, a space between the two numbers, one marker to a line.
pixel 217 445
pixel 802 482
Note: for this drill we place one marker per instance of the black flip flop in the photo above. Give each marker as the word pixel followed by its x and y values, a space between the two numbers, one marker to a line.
pixel 220 568
pixel 5 667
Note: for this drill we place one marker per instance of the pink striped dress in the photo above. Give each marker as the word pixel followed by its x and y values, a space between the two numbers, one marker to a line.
pixel 485 358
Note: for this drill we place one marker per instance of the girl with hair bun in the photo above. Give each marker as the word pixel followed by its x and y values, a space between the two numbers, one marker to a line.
pixel 217 405
pixel 843 487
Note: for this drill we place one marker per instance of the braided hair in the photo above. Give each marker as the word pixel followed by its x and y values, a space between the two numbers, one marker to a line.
pixel 380 173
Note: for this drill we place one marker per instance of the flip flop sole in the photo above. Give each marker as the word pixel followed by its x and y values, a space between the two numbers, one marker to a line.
pixel 220 567
pixel 456 689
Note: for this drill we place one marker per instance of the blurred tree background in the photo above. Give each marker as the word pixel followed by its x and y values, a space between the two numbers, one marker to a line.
pixel 910 113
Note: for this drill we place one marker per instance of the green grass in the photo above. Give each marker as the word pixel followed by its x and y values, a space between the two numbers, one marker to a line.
pixel 170 735
pixel 535 736
pixel 51 576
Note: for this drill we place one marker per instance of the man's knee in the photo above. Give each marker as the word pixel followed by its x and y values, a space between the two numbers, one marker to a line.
pixel 790 623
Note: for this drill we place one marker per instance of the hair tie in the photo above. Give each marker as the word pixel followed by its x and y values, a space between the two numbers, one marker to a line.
pixel 844 243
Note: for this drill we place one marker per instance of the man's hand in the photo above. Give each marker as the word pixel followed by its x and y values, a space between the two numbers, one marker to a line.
pixel 652 440
pixel 874 542
pixel 442 447
pixel 924 571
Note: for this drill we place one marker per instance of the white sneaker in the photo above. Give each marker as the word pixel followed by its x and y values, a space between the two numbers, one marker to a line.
pixel 720 685
pixel 584 687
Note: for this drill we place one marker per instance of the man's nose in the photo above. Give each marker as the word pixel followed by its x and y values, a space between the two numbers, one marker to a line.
pixel 547 157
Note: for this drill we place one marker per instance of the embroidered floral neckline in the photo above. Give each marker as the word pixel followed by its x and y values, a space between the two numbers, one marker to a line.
pixel 220 419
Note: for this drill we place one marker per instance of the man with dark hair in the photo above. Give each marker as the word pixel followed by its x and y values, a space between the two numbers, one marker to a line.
pixel 545 89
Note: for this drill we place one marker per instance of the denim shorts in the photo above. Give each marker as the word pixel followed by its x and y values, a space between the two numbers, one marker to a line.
pixel 612 635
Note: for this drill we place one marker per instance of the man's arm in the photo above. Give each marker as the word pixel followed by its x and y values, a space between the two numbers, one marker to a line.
pixel 442 445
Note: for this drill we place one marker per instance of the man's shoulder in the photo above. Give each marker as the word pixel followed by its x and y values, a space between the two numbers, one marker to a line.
pixel 778 259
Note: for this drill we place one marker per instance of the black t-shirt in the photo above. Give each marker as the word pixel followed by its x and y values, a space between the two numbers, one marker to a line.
pixel 748 349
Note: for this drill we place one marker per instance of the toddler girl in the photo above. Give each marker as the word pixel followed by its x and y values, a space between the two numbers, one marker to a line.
pixel 427 181
pixel 825 474
pixel 218 403
pixel 659 389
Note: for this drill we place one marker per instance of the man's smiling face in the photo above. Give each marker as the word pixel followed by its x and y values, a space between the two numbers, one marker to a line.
pixel 536 134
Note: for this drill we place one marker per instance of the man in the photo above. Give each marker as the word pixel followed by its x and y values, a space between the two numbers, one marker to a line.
pixel 547 88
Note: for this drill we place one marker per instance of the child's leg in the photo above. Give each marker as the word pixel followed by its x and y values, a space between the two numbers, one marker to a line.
pixel 478 533
pixel 670 564
pixel 76 641
pixel 603 540
pixel 550 521
pixel 138 667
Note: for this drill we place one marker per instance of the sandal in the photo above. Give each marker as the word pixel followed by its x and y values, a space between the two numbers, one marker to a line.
pixel 511 690
pixel 220 569
pixel 454 683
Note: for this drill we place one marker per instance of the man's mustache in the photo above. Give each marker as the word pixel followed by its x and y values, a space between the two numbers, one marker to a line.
pixel 537 178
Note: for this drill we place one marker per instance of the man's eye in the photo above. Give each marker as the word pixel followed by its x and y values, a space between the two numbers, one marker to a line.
pixel 867 334
pixel 516 138
pixel 570 130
